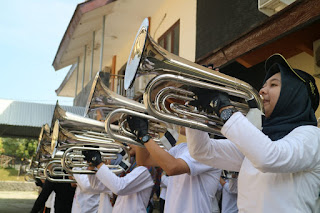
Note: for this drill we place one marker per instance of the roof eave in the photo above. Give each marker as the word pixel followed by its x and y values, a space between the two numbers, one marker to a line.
pixel 81 9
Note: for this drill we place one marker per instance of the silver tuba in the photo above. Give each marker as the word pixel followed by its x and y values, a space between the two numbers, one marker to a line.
pixel 71 135
pixel 73 121
pixel 115 108
pixel 147 57
pixel 43 150
pixel 42 155
pixel 101 97
pixel 69 145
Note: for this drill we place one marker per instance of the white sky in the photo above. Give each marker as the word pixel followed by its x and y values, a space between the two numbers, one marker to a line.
pixel 30 34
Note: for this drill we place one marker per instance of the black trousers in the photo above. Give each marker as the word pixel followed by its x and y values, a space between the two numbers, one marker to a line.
pixel 162 202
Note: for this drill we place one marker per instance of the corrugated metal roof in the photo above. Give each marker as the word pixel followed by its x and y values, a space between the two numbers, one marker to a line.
pixel 15 113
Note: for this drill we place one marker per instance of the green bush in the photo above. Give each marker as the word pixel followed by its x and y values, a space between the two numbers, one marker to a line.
pixel 18 148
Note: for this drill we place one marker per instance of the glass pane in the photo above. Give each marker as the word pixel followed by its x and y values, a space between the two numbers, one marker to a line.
pixel 168 39
pixel 176 39
pixel 161 43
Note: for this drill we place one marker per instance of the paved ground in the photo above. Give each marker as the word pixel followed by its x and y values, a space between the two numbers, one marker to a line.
pixel 19 197
pixel 17 201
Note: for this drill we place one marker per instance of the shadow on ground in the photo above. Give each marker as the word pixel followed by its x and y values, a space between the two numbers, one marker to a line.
pixel 16 205
pixel 16 202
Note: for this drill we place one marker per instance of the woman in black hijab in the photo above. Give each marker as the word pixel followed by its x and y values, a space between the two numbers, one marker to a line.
pixel 279 167
pixel 294 107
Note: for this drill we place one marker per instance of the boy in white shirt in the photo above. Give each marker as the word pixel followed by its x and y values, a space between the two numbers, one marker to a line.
pixel 133 190
pixel 191 185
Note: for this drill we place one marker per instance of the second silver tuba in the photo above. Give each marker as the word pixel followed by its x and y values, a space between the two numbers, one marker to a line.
pixel 115 108
pixel 72 134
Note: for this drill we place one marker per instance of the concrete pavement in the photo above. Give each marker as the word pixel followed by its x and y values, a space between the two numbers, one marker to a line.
pixel 17 201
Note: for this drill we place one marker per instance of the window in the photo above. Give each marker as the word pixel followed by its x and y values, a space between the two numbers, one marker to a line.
pixel 170 39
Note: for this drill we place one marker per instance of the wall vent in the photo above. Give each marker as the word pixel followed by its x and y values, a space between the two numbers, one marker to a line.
pixel 270 7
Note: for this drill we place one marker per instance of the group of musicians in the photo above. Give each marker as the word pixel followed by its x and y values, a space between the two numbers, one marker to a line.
pixel 276 155
pixel 268 141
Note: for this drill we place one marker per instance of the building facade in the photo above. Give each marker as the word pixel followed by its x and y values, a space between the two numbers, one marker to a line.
pixel 237 36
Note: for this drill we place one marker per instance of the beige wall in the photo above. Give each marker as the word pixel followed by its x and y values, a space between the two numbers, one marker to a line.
pixel 305 62
pixel 168 14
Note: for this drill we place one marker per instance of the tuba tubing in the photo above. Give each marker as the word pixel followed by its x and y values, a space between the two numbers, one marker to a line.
pixel 117 169
pixel 123 138
pixel 56 164
pixel 171 118
pixel 63 138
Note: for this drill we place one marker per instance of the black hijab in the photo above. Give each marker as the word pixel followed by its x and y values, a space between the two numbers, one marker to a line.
pixel 293 108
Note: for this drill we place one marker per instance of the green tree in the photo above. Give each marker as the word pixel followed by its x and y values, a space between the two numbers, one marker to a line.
pixel 19 148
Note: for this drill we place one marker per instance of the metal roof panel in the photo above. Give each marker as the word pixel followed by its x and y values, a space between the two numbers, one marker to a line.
pixel 18 113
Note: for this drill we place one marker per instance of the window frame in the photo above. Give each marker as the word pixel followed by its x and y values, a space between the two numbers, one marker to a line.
pixel 164 35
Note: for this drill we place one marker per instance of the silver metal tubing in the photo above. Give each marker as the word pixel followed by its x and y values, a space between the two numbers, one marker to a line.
pixel 53 175
pixel 122 138
pixel 117 169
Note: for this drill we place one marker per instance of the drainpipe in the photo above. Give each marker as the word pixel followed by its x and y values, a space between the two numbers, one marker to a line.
pixel 75 93
pixel 102 42
pixel 84 66
pixel 92 54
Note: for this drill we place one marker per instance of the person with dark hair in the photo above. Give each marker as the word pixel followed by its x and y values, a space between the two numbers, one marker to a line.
pixel 63 200
pixel 279 167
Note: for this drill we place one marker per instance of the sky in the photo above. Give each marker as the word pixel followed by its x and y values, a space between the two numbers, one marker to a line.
pixel 30 34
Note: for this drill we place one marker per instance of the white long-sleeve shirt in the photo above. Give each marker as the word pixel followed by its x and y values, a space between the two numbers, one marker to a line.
pixel 194 192
pixel 133 190
pixel 274 176
pixel 163 186
pixel 229 197
pixel 50 201
pixel 105 194
pixel 86 199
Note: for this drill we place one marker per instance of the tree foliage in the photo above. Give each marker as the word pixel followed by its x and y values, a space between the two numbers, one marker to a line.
pixel 19 148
